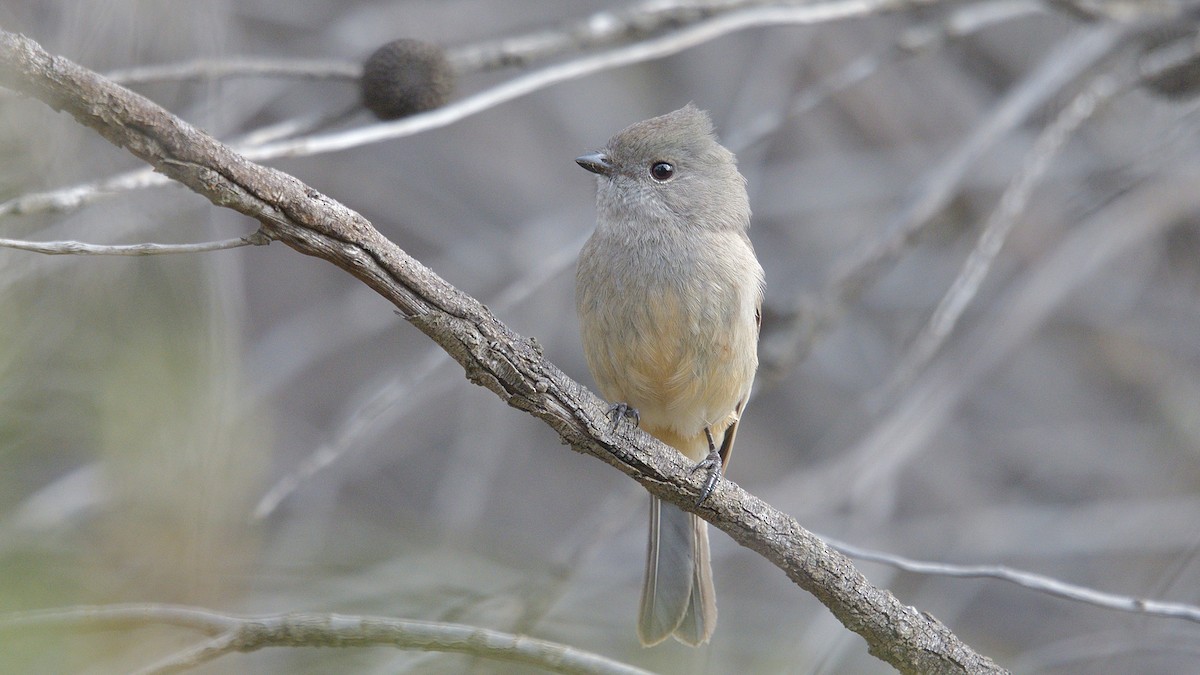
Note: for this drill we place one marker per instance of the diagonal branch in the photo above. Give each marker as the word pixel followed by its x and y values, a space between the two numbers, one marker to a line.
pixel 492 355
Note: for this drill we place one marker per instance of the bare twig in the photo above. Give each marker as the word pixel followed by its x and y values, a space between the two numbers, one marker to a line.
pixel 961 22
pixel 80 248
pixel 600 30
pixel 1025 579
pixel 1117 10
pixel 77 196
pixel 610 27
pixel 899 436
pixel 231 633
pixel 1074 57
pixel 396 398
pixel 654 48
pixel 858 270
pixel 689 24
pixel 212 69
pixel 194 656
pixel 492 355
pixel 996 230
pixel 813 315
pixel 121 617
pixel 1016 196
pixel 1143 212
pixel 391 400
pixel 74 197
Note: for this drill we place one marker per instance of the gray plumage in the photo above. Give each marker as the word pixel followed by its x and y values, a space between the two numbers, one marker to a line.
pixel 668 292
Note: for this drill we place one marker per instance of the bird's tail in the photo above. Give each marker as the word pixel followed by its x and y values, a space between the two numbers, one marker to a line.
pixel 677 596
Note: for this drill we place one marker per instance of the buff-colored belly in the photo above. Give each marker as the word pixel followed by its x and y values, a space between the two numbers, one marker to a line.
pixel 680 372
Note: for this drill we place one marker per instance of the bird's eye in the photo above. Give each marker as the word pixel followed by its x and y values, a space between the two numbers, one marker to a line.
pixel 662 171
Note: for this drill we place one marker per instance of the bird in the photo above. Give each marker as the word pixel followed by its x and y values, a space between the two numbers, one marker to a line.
pixel 669 295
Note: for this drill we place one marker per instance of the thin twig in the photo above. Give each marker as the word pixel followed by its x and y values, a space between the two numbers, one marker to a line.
pixel 613 27
pixel 70 198
pixel 602 29
pixel 1138 214
pixel 654 48
pixel 1015 198
pixel 1025 579
pixel 75 197
pixel 858 270
pixel 147 248
pixel 396 398
pixel 1142 212
pixel 961 22
pixel 122 617
pixel 194 656
pixel 711 20
pixel 996 231
pixel 213 69
pixel 235 633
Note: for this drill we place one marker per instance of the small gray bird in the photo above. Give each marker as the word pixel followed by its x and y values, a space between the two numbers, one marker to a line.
pixel 668 293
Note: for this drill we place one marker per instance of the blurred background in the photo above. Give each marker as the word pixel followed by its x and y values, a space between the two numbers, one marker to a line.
pixel 253 431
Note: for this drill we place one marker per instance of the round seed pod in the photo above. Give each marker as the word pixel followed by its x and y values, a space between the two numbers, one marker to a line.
pixel 404 77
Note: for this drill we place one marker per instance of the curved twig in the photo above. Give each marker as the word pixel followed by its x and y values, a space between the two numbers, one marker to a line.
pixel 232 633
pixel 1026 579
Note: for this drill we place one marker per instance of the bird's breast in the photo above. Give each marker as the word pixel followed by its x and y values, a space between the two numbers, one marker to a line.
pixel 669 330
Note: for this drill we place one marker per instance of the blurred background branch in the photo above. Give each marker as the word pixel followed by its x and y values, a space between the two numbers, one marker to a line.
pixel 631 32
pixel 81 248
pixel 1034 582
pixel 229 634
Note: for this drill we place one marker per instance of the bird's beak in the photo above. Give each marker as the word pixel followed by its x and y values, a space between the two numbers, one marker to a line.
pixel 596 162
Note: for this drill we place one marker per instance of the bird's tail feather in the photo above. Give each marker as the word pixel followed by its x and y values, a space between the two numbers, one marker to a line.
pixel 677 596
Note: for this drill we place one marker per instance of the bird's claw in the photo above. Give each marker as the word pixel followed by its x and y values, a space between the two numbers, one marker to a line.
pixel 620 411
pixel 712 465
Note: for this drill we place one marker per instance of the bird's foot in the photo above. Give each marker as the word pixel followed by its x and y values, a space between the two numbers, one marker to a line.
pixel 712 465
pixel 620 411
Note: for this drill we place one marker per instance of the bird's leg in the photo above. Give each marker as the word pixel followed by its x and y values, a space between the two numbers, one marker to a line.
pixel 620 411
pixel 712 465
